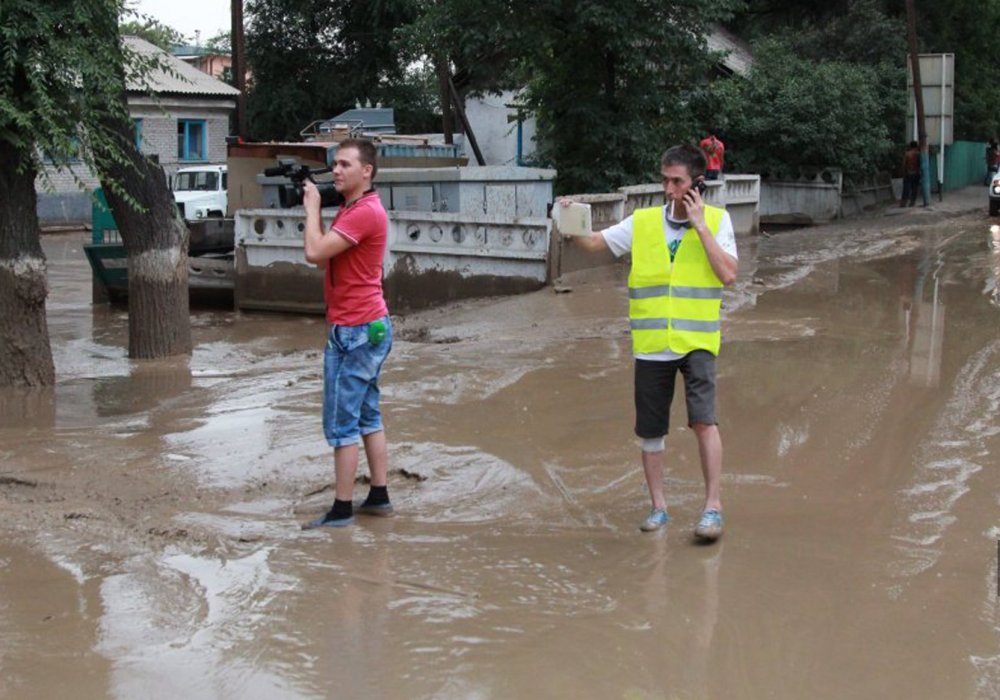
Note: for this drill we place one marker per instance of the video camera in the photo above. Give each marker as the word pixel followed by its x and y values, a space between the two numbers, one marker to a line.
pixel 290 195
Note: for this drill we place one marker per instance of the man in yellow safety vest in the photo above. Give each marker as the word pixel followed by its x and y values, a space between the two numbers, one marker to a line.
pixel 683 254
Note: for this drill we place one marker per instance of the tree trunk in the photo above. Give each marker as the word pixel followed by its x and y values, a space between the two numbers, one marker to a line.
pixel 25 353
pixel 156 241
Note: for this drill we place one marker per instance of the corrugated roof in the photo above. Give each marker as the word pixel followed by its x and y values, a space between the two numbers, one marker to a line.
pixel 365 119
pixel 184 80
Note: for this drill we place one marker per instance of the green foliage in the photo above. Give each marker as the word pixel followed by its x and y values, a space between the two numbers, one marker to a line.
pixel 614 85
pixel 864 33
pixel 61 85
pixel 221 43
pixel 46 56
pixel 482 41
pixel 967 28
pixel 792 112
pixel 312 59
pixel 611 84
pixel 153 31
pixel 873 33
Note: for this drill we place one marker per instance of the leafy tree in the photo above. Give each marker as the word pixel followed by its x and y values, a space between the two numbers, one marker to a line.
pixel 153 31
pixel 967 28
pixel 45 107
pixel 792 112
pixel 221 43
pixel 40 111
pixel 611 84
pixel 873 33
pixel 312 59
pixel 862 33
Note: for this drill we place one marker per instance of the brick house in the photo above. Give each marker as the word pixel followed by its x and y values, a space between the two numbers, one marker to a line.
pixel 217 65
pixel 180 119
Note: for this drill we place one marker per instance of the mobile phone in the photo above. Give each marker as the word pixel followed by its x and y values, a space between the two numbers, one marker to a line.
pixel 700 185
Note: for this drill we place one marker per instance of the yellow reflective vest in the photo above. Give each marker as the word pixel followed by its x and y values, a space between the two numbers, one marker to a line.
pixel 673 306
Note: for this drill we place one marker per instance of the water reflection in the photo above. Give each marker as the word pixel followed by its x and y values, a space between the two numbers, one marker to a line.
pixel 27 407
pixel 150 383
pixel 925 318
pixel 684 606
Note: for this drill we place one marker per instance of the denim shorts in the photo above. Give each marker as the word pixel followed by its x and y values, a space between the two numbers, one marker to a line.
pixel 351 368
pixel 654 391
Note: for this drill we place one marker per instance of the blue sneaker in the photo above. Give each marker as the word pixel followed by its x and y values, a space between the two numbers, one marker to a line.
pixel 327 521
pixel 709 527
pixel 656 519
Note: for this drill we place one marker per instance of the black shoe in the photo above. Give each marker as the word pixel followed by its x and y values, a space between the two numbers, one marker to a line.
pixel 382 510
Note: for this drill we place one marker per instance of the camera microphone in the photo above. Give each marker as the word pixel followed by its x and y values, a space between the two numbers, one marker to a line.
pixel 275 172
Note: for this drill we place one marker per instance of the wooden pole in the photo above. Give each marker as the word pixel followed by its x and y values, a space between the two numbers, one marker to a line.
pixel 447 126
pixel 918 97
pixel 239 67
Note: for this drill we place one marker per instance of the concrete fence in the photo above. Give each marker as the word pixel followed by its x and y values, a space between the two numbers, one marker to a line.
pixel 738 194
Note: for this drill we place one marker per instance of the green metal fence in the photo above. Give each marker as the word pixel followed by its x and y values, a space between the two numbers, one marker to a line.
pixel 103 226
pixel 964 165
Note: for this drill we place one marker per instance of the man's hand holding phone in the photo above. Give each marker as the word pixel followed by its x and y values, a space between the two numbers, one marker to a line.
pixel 694 204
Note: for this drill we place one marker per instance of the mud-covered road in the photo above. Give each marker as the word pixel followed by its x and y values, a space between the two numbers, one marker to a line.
pixel 150 512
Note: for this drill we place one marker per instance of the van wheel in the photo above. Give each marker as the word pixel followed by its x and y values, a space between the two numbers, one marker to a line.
pixel 994 207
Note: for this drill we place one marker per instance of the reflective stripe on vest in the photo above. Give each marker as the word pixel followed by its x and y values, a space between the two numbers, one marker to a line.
pixel 673 306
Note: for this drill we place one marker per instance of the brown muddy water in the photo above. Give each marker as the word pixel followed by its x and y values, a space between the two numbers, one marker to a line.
pixel 151 511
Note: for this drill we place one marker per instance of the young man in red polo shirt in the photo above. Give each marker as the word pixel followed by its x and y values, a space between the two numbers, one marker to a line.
pixel 360 334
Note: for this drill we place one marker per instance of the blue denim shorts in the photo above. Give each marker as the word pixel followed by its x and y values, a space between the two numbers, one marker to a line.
pixel 351 368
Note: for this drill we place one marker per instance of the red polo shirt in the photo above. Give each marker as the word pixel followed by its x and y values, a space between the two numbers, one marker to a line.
pixel 353 284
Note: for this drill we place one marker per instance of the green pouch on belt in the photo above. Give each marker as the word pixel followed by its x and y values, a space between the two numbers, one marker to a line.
pixel 376 332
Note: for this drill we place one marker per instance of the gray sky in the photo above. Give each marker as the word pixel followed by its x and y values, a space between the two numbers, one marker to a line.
pixel 187 16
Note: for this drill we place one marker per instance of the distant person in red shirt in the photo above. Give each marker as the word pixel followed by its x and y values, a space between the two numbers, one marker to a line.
pixel 715 152
pixel 359 336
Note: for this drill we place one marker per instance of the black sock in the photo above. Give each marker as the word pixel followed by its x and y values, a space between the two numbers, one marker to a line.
pixel 340 510
pixel 377 495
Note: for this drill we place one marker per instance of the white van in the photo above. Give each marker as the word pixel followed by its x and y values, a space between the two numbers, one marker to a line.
pixel 200 191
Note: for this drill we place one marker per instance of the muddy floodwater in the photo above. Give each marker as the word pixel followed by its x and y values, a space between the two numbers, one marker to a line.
pixel 150 512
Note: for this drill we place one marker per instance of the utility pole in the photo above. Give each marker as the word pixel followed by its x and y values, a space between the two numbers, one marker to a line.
pixel 239 67
pixel 918 97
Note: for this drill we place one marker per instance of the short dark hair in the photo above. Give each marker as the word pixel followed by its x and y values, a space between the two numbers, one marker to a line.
pixel 366 152
pixel 687 155
pixel 913 144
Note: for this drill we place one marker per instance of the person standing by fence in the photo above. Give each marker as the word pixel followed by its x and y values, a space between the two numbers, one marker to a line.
pixel 911 174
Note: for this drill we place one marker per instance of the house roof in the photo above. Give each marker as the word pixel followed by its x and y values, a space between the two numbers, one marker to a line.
pixel 184 79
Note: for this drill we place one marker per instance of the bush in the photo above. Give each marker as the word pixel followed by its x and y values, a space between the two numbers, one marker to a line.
pixel 791 112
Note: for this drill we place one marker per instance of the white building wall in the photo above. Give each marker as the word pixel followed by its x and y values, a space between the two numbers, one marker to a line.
pixel 496 136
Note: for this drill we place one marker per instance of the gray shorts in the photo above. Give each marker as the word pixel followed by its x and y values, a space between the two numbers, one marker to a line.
pixel 654 390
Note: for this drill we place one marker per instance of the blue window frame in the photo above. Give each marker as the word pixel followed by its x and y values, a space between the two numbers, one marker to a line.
pixel 191 139
pixel 138 133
